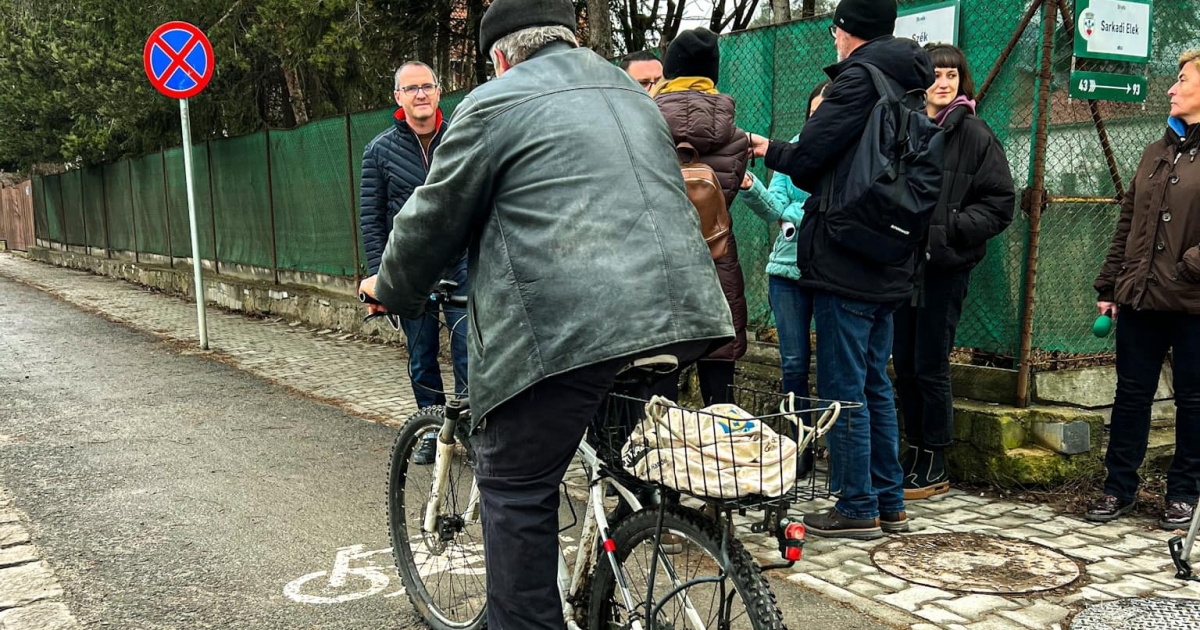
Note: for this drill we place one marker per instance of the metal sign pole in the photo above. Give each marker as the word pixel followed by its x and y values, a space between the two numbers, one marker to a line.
pixel 191 199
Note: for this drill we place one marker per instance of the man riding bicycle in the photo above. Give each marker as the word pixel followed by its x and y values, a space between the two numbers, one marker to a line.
pixel 561 180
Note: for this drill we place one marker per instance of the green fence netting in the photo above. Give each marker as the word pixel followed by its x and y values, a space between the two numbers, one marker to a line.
pixel 74 230
pixel 241 200
pixel 92 185
pixel 181 232
pixel 315 213
pixel 150 204
pixel 122 229
pixel 54 209
pixel 40 228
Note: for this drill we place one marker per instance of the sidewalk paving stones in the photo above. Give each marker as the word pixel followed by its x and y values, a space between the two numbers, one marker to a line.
pixel 1122 559
pixel 28 588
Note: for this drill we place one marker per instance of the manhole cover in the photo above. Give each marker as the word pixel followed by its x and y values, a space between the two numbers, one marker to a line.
pixel 975 564
pixel 1156 613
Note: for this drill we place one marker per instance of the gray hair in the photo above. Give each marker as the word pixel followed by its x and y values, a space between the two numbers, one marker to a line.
pixel 409 64
pixel 520 45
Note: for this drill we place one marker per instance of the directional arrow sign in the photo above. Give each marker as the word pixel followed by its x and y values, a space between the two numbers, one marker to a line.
pixel 1103 86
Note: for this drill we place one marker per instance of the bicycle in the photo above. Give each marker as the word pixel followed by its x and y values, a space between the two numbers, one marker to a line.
pixel 622 576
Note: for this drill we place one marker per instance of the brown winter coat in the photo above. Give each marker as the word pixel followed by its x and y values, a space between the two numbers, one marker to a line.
pixel 704 118
pixel 1154 260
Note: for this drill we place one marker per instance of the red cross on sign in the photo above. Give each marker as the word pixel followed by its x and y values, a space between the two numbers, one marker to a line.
pixel 178 59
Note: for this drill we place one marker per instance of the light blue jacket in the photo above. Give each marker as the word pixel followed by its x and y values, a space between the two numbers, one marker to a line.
pixel 782 201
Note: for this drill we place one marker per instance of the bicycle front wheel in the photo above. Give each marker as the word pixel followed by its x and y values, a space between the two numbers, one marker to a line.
pixel 442 569
pixel 737 595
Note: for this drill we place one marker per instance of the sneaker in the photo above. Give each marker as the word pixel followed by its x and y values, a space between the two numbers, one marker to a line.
pixel 834 524
pixel 893 522
pixel 427 451
pixel 1107 508
pixel 1178 515
pixel 928 476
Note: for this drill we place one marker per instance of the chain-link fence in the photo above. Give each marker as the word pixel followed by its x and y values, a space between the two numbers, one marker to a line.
pixel 287 200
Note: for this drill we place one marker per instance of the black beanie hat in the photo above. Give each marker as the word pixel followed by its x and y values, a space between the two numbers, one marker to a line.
pixel 693 53
pixel 867 19
pixel 504 17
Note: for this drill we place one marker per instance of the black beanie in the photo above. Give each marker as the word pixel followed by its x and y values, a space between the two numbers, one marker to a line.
pixel 693 53
pixel 866 19
pixel 504 17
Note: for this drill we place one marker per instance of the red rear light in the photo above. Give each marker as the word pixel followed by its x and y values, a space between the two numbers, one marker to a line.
pixel 791 542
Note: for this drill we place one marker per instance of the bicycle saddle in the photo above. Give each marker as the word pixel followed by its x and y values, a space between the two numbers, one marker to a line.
pixel 651 369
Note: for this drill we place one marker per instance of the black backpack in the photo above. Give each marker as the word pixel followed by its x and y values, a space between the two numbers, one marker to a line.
pixel 884 208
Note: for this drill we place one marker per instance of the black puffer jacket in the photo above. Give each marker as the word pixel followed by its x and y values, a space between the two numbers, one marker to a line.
pixel 394 164
pixel 828 143
pixel 977 197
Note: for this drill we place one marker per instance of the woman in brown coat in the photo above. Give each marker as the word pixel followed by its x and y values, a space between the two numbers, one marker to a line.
pixel 1151 278
pixel 699 115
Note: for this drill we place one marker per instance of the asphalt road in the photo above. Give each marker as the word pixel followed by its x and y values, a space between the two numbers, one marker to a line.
pixel 167 490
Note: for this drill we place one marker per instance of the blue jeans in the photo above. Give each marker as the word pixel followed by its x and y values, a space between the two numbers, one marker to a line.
pixel 854 340
pixel 423 336
pixel 793 308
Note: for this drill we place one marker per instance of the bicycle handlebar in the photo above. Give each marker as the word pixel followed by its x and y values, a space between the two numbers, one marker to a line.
pixel 443 294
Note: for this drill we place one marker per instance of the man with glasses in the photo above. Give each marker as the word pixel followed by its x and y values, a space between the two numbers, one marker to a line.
pixel 644 67
pixel 395 163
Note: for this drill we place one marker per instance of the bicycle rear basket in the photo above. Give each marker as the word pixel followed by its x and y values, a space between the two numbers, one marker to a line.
pixel 746 454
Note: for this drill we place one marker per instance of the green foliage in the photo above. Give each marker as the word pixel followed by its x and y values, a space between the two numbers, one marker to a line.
pixel 74 88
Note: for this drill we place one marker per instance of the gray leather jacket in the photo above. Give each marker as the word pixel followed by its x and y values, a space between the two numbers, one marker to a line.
pixel 561 180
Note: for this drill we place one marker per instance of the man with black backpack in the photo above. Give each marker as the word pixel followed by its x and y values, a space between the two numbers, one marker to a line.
pixel 872 160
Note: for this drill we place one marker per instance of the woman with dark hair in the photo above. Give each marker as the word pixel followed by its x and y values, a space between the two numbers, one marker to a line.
pixel 1151 278
pixel 976 204
pixel 783 203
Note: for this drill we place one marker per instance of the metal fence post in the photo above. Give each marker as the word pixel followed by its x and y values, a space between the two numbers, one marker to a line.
pixel 1037 202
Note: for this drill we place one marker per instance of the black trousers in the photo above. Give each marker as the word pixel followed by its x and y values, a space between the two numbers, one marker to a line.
pixel 522 454
pixel 1143 338
pixel 716 383
pixel 921 344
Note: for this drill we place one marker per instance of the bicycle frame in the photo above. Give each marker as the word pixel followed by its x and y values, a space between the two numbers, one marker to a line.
pixel 595 523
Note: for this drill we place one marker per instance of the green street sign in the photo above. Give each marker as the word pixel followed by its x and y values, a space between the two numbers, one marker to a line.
pixel 1116 30
pixel 1103 86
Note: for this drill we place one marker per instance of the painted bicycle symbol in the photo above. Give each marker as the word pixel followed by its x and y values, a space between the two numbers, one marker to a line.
pixel 358 574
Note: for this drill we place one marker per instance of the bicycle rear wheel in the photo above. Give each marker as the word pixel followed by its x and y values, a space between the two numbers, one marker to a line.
pixel 442 570
pixel 738 598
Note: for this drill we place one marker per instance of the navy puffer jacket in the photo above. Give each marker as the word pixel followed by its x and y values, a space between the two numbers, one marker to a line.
pixel 394 164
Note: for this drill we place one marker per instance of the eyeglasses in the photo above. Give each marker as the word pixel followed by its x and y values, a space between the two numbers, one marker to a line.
pixel 648 82
pixel 411 90
pixel 833 31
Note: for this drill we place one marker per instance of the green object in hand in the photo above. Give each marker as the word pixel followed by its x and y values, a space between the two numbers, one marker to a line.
pixel 1103 325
